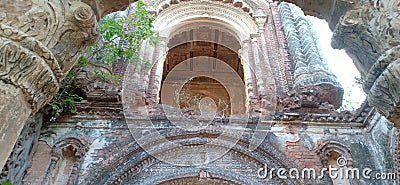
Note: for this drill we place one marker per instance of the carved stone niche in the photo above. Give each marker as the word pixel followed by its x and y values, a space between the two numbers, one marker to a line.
pixel 66 159
pixel 334 153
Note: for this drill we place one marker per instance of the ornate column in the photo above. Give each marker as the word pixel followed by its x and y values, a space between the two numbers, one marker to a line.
pixel 158 59
pixel 158 67
pixel 265 78
pixel 248 73
pixel 39 43
pixel 310 67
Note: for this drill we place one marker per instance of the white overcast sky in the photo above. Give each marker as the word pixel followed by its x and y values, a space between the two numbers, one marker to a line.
pixel 341 65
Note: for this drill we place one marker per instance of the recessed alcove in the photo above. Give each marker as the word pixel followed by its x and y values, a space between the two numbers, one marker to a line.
pixel 203 57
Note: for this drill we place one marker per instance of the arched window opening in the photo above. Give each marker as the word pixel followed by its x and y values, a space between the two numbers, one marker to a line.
pixel 210 93
pixel 335 161
pixel 336 158
pixel 65 165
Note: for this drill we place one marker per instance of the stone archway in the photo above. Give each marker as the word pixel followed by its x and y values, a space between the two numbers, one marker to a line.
pixel 134 165
pixel 233 25
pixel 202 31
pixel 197 180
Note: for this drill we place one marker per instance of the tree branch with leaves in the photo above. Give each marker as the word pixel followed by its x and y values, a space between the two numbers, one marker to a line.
pixel 121 37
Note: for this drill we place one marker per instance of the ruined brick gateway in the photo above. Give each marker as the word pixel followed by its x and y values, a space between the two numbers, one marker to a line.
pixel 289 94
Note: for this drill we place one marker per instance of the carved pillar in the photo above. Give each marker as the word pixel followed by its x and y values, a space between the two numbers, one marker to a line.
pixel 159 58
pixel 265 77
pixel 39 43
pixel 310 68
pixel 245 60
pixel 258 73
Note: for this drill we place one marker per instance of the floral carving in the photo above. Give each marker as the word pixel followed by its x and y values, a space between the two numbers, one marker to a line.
pixel 41 40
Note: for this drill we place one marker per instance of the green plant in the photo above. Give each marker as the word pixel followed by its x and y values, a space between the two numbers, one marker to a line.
pixel 107 77
pixel 120 40
pixel 102 75
pixel 6 183
pixel 64 103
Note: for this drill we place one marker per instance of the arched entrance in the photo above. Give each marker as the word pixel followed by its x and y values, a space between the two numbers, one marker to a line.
pixel 236 27
pixel 135 166
pixel 191 29
pixel 225 35
pixel 197 59
pixel 217 40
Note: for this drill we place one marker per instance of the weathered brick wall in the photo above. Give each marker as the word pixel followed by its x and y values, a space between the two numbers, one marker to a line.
pixel 304 157
pixel 112 152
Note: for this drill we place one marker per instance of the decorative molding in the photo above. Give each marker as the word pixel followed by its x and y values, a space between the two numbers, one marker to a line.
pixel 77 146
pixel 20 159
pixel 39 44
pixel 26 70
pixel 127 165
pixel 188 26
pixel 241 22
pixel 274 44
pixel 246 4
pixel 292 109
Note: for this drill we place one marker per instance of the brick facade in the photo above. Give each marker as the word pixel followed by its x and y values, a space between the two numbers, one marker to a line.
pixel 96 145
